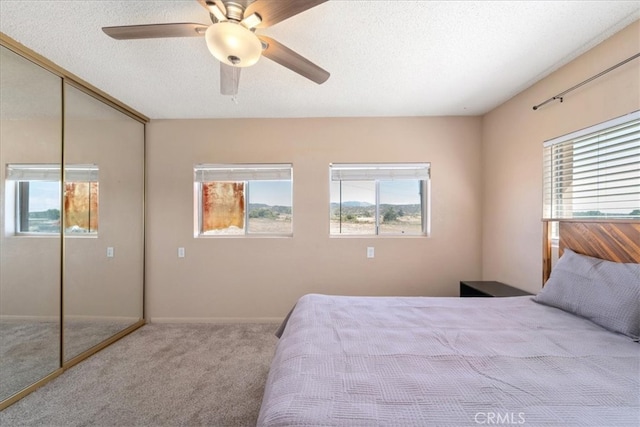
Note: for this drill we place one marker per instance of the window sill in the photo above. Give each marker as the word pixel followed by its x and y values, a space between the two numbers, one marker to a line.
pixel 379 236
pixel 244 236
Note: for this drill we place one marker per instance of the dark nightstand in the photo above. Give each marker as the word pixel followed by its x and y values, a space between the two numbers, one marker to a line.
pixel 489 289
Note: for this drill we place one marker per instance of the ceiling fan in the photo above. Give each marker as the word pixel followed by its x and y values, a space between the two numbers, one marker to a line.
pixel 231 37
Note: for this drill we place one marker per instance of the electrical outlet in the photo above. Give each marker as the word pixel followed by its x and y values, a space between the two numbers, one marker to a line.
pixel 370 252
pixel 110 252
pixel 180 252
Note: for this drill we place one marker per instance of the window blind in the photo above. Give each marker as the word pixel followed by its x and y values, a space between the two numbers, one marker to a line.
pixel 369 171
pixel 247 172
pixel 594 173
pixel 51 172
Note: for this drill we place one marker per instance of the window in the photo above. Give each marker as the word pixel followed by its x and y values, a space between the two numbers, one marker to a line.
pixel 379 199
pixel 594 173
pixel 237 200
pixel 37 198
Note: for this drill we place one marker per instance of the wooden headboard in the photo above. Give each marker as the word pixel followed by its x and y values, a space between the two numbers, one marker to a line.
pixel 616 240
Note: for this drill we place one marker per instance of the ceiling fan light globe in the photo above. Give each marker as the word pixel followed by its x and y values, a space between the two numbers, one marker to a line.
pixel 233 44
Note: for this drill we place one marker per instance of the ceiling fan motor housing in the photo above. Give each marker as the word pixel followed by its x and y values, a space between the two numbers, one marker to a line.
pixel 235 11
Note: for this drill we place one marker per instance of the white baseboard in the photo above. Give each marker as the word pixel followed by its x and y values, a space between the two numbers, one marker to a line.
pixel 275 320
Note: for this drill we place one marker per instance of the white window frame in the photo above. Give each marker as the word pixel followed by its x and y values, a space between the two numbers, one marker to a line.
pixel 245 173
pixel 378 172
pixel 616 172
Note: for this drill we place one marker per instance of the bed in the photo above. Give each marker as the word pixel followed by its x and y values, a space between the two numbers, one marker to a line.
pixel 426 361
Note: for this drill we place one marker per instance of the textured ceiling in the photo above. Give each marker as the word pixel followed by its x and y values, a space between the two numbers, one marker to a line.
pixel 386 58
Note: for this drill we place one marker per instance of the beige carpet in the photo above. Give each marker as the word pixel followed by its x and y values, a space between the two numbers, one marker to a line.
pixel 30 350
pixel 160 375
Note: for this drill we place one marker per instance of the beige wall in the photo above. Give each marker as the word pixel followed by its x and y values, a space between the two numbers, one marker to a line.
pixel 260 278
pixel 512 138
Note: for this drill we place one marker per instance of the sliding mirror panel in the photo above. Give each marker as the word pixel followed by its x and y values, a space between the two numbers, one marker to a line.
pixel 104 209
pixel 30 206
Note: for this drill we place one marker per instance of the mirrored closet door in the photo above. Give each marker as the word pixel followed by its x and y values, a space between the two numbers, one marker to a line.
pixel 71 221
pixel 30 206
pixel 104 201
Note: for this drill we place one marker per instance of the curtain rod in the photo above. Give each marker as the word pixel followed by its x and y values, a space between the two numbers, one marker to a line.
pixel 561 95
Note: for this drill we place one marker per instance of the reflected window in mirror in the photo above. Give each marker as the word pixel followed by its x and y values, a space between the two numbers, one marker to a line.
pixel 37 199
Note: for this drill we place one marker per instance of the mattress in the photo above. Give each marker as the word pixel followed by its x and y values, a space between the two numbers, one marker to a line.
pixel 413 361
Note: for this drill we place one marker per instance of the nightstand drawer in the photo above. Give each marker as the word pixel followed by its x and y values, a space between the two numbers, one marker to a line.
pixel 489 289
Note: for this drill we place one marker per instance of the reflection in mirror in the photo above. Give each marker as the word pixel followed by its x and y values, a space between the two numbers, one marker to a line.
pixel 103 202
pixel 30 243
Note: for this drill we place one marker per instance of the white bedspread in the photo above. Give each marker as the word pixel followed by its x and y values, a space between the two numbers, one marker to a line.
pixel 378 361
